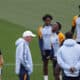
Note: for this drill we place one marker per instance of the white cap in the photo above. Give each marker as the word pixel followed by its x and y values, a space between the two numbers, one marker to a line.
pixel 28 33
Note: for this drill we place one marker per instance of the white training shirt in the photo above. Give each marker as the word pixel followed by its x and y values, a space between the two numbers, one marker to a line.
pixel 78 29
pixel 55 43
pixel 46 35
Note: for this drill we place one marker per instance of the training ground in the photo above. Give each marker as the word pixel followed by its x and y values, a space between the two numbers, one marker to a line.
pixel 17 16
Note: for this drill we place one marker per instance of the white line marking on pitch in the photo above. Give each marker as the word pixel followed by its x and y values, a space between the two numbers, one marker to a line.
pixel 10 64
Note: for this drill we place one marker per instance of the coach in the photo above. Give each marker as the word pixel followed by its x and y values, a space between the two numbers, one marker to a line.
pixel 24 65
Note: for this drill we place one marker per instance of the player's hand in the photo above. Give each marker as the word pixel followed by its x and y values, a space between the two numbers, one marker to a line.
pixel 72 69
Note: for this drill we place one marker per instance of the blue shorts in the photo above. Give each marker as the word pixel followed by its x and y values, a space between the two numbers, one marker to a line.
pixel 23 74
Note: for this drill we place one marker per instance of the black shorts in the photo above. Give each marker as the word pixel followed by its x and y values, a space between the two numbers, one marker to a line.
pixel 47 55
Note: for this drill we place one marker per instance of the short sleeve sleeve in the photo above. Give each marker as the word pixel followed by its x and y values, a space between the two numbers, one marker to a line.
pixel 74 21
pixel 40 31
pixel 61 37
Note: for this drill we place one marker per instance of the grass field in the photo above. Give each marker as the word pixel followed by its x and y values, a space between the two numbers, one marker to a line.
pixel 17 16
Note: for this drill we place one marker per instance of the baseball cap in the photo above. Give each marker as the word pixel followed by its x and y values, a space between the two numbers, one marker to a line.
pixel 28 33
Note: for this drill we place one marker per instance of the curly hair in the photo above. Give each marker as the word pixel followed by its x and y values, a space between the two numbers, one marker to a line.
pixel 47 16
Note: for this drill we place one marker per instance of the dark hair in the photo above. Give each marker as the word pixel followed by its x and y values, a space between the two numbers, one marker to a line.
pixel 59 24
pixel 47 16
pixel 69 35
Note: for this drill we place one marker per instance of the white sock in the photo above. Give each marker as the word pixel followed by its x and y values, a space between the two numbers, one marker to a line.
pixel 60 77
pixel 45 77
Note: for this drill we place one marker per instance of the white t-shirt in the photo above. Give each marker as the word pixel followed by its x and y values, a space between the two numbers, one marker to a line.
pixel 55 43
pixel 46 35
pixel 78 29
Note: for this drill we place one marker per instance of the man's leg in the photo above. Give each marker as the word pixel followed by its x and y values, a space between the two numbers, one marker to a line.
pixel 56 71
pixel 45 69
pixel 26 77
pixel 46 58
pixel 23 74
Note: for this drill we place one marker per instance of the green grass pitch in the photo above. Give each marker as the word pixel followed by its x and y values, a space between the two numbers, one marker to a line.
pixel 17 16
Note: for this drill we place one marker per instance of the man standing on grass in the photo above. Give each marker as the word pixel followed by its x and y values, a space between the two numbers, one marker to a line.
pixel 24 65
pixel 44 36
pixel 68 58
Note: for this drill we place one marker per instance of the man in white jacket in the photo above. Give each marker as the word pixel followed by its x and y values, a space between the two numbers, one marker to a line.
pixel 68 58
pixel 24 65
